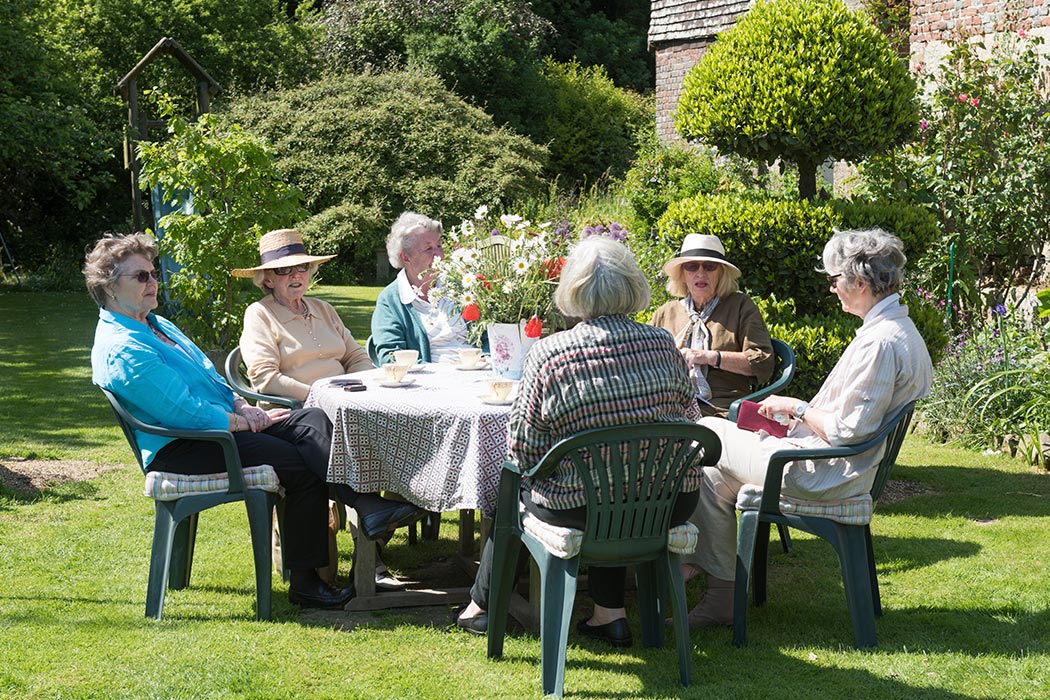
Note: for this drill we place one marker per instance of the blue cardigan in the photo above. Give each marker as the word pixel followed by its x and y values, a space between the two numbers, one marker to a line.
pixel 156 383
pixel 396 326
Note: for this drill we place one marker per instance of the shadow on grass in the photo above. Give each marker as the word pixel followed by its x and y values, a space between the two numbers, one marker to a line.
pixel 62 492
pixel 972 492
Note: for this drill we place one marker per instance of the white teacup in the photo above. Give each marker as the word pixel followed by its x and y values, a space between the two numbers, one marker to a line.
pixel 501 388
pixel 406 357
pixel 469 357
pixel 394 372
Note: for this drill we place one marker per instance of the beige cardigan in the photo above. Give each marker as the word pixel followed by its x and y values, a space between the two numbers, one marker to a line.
pixel 285 353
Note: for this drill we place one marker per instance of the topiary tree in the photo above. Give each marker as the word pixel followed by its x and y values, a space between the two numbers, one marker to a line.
pixel 801 80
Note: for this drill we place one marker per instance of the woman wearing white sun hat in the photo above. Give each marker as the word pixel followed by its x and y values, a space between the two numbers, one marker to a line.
pixel 718 329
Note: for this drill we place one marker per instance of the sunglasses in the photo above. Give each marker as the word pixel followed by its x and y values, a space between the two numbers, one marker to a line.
pixel 833 279
pixel 285 271
pixel 708 266
pixel 143 276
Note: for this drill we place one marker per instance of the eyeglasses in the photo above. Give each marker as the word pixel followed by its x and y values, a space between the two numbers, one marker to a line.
pixel 833 279
pixel 708 266
pixel 143 276
pixel 285 271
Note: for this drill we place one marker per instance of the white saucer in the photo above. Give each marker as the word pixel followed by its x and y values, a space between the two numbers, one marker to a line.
pixel 404 382
pixel 480 365
pixel 417 367
pixel 493 401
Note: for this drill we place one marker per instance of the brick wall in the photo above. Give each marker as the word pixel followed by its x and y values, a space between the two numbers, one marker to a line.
pixel 673 61
pixel 934 22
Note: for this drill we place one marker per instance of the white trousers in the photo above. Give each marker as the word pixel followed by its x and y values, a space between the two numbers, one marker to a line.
pixel 745 457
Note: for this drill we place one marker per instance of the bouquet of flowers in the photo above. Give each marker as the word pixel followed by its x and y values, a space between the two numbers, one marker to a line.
pixel 506 271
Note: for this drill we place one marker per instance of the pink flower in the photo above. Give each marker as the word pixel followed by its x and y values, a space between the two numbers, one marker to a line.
pixel 963 97
pixel 923 125
pixel 1022 33
pixel 974 101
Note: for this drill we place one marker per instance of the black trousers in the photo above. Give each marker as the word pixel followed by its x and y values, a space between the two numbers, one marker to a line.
pixel 297 448
pixel 606 584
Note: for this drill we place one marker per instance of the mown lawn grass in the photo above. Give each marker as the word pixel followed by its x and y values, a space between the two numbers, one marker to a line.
pixel 963 568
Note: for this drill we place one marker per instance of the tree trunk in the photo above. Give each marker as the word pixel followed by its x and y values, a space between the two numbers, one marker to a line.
pixel 807 178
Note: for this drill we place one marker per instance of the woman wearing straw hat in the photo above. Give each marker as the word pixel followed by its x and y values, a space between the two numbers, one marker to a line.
pixel 718 329
pixel 290 341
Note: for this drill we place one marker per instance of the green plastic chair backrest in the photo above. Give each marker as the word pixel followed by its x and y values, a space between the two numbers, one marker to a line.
pixel 125 419
pixel 898 430
pixel 239 383
pixel 632 475
pixel 783 372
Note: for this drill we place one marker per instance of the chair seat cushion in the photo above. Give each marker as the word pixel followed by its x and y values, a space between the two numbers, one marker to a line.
pixel 849 511
pixel 167 486
pixel 565 542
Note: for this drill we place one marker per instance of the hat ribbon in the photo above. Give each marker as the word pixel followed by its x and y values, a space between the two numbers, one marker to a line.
pixel 701 253
pixel 283 251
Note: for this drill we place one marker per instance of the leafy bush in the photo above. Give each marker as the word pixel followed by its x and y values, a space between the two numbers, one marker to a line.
pixel 592 126
pixel 802 80
pixel 364 148
pixel 992 383
pixel 981 166
pixel 667 174
pixel 239 194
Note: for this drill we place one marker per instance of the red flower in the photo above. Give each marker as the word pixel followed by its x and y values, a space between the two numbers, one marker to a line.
pixel 534 327
pixel 484 283
pixel 471 312
pixel 553 267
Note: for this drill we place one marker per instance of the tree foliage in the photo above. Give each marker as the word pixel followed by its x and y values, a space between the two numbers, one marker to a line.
pixel 802 80
pixel 238 195
pixel 363 148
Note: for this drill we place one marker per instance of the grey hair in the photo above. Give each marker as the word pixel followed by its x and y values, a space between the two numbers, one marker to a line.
pixel 872 256
pixel 404 232
pixel 601 278
pixel 727 282
pixel 259 276
pixel 102 264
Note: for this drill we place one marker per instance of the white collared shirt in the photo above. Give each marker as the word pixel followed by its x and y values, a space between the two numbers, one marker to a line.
pixel 445 327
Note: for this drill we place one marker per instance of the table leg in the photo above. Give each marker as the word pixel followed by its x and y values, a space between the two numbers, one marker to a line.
pixel 364 566
pixel 466 533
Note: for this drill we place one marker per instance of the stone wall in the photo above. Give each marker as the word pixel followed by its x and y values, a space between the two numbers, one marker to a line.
pixel 934 22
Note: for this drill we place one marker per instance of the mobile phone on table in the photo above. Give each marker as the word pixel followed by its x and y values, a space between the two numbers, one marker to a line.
pixel 354 387
pixel 346 381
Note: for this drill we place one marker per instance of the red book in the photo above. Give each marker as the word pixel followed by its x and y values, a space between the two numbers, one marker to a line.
pixel 749 418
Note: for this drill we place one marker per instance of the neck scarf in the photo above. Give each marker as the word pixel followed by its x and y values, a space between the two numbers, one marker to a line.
pixel 697 337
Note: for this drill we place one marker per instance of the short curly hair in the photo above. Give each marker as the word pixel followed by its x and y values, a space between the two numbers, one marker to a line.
pixel 601 278
pixel 404 232
pixel 102 265
pixel 872 256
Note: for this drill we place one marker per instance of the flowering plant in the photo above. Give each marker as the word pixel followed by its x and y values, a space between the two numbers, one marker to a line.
pixel 506 270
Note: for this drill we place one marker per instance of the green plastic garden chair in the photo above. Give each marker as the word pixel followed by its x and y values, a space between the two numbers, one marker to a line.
pixel 844 524
pixel 238 380
pixel 783 372
pixel 180 499
pixel 632 475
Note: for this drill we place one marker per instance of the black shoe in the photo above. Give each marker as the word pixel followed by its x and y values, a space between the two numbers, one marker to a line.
pixel 312 592
pixel 479 624
pixel 390 518
pixel 616 633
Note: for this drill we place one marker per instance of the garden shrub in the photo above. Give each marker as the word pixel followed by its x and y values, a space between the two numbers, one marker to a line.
pixel 592 127
pixel 801 80
pixel 665 174
pixel 981 166
pixel 364 148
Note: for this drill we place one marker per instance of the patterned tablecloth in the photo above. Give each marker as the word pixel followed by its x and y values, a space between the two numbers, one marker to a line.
pixel 434 441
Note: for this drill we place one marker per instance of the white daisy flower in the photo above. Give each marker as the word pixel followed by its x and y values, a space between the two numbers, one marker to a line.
pixel 508 220
pixel 467 281
pixel 481 212
pixel 467 298
pixel 520 265
pixel 508 287
pixel 467 228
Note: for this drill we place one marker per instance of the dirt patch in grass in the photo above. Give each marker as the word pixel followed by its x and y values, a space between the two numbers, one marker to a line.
pixel 897 490
pixel 31 476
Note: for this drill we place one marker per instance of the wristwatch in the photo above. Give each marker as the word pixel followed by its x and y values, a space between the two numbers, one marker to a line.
pixel 800 410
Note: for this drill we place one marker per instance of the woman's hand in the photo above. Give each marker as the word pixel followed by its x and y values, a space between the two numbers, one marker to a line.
pixel 696 358
pixel 257 419
pixel 778 405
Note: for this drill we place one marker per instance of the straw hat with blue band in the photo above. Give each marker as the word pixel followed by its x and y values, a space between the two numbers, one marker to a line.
pixel 281 248
pixel 698 246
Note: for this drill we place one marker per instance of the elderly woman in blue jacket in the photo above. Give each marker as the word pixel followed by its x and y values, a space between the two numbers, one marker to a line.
pixel 162 378
pixel 405 317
